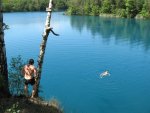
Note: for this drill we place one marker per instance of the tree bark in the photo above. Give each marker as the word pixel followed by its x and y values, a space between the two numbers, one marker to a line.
pixel 4 90
pixel 43 47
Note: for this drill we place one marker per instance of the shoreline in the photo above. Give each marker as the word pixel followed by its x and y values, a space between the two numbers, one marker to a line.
pixel 138 17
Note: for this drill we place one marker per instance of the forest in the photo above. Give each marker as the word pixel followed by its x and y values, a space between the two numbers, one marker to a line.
pixel 120 8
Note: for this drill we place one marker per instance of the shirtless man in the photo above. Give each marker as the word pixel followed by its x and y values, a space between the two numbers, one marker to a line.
pixel 29 72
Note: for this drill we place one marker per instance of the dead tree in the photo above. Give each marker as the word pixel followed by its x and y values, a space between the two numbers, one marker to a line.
pixel 45 35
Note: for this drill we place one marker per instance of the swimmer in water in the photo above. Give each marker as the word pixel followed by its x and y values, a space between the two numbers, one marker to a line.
pixel 105 73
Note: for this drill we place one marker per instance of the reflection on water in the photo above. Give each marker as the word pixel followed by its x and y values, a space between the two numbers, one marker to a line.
pixel 131 30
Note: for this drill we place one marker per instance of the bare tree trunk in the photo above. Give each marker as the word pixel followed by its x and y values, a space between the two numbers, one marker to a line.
pixel 4 90
pixel 43 47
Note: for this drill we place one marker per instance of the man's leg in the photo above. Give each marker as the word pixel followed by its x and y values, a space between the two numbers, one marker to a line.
pixel 26 90
pixel 33 91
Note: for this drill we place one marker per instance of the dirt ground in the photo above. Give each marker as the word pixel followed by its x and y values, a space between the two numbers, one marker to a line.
pixel 25 105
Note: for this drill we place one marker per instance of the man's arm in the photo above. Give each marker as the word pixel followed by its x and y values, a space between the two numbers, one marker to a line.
pixel 35 72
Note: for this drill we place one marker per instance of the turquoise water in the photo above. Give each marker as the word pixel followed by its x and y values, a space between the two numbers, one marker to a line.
pixel 86 47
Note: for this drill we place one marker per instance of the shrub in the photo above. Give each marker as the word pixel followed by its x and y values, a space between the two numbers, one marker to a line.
pixel 106 6
pixel 121 12
pixel 145 14
pixel 16 80
pixel 95 10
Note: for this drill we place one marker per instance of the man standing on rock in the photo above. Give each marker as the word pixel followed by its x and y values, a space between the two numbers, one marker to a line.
pixel 29 72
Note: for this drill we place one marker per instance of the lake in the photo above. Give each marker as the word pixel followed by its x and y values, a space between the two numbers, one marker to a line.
pixel 86 47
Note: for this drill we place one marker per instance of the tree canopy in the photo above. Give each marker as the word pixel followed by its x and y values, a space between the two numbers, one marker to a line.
pixel 31 5
pixel 122 8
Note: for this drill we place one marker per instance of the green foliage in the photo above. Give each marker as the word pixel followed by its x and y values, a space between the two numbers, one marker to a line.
pixel 60 5
pixel 146 9
pixel 75 7
pixel 123 8
pixel 139 5
pixel 106 6
pixel 145 14
pixel 72 11
pixel 31 5
pixel 121 12
pixel 95 10
pixel 131 8
pixel 16 80
pixel 87 9
pixel 120 4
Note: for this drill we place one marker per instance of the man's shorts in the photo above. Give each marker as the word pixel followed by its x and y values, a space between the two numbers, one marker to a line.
pixel 31 81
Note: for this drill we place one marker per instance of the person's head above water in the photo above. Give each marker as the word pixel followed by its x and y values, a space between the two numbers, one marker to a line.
pixel 31 61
